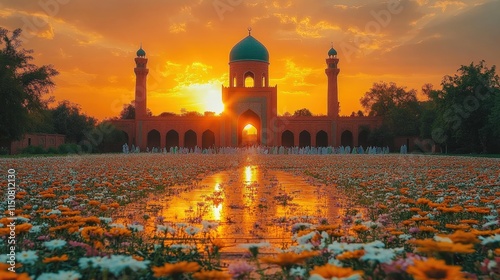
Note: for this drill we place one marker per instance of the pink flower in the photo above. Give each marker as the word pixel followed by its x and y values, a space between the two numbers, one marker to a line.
pixel 239 269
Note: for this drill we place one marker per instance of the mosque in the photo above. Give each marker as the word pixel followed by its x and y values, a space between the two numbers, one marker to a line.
pixel 250 111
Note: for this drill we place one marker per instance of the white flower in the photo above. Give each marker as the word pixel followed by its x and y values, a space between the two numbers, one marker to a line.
pixel 93 262
pixel 405 236
pixel 117 263
pixel 338 248
pixel 54 244
pixel 306 237
pixel 490 239
pixel 191 230
pixel 297 271
pixel 68 275
pixel 54 212
pixel 208 226
pixel 136 227
pixel 35 229
pixel 490 223
pixel 21 219
pixel 378 254
pixel 301 248
pixel 107 220
pixel 27 257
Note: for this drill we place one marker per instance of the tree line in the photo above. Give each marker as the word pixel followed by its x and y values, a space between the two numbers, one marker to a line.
pixel 462 116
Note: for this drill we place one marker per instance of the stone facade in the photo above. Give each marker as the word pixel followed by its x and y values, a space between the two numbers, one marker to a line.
pixel 247 100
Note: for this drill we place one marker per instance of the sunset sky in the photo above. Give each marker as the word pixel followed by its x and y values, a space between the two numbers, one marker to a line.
pixel 92 44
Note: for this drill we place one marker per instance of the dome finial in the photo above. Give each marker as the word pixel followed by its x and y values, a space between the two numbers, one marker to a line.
pixel 249 31
pixel 141 52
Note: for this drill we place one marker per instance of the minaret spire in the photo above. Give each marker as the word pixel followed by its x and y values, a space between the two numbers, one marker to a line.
pixel 249 31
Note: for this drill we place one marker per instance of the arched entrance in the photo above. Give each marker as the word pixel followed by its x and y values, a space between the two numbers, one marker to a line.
pixel 249 117
pixel 346 139
pixel 363 138
pixel 304 139
pixel 207 139
pixel 249 135
pixel 172 139
pixel 287 139
pixel 321 139
pixel 190 140
pixel 153 139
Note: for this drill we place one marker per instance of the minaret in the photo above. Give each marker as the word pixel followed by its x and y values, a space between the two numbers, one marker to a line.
pixel 332 72
pixel 141 72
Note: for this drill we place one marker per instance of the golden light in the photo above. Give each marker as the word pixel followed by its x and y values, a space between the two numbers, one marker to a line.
pixel 250 129
pixel 212 100
pixel 250 175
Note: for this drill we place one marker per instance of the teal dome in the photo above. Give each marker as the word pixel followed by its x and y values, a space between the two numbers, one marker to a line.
pixel 249 49
pixel 141 53
pixel 332 52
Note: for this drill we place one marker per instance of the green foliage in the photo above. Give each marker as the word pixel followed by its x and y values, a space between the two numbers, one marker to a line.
pixel 34 150
pixel 68 120
pixel 70 148
pixel 466 108
pixel 111 138
pixel 398 107
pixel 304 112
pixel 382 98
pixel 23 86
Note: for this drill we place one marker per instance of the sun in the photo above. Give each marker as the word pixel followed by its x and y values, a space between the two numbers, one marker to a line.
pixel 250 129
pixel 212 101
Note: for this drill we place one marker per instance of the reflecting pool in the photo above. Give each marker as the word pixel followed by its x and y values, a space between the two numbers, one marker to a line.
pixel 248 203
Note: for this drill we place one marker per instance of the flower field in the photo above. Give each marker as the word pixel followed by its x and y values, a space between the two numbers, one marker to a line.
pixel 384 217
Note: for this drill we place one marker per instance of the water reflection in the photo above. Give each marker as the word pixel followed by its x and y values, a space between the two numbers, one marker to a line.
pixel 247 203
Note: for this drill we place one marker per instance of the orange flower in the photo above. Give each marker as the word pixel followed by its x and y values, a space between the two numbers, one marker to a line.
pixel 169 269
pixel 62 258
pixel 463 237
pixel 288 259
pixel 427 229
pixel 329 271
pixel 351 255
pixel 455 227
pixel 360 228
pixel 5 275
pixel 90 232
pixel 211 275
pixel 120 232
pixel 497 251
pixel 433 269
pixel 94 202
pixel 431 246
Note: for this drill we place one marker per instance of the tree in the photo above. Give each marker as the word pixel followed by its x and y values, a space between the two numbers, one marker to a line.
pixel 23 86
pixel 398 107
pixel 68 120
pixel 304 112
pixel 465 107
pixel 383 97
pixel 128 111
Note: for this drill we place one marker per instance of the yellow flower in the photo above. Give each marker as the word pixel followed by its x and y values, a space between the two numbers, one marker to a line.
pixel 169 269
pixel 433 269
pixel 62 258
pixel 329 271
pixel 211 275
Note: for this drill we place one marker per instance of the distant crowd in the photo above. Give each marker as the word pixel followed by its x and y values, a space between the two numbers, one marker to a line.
pixel 266 150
